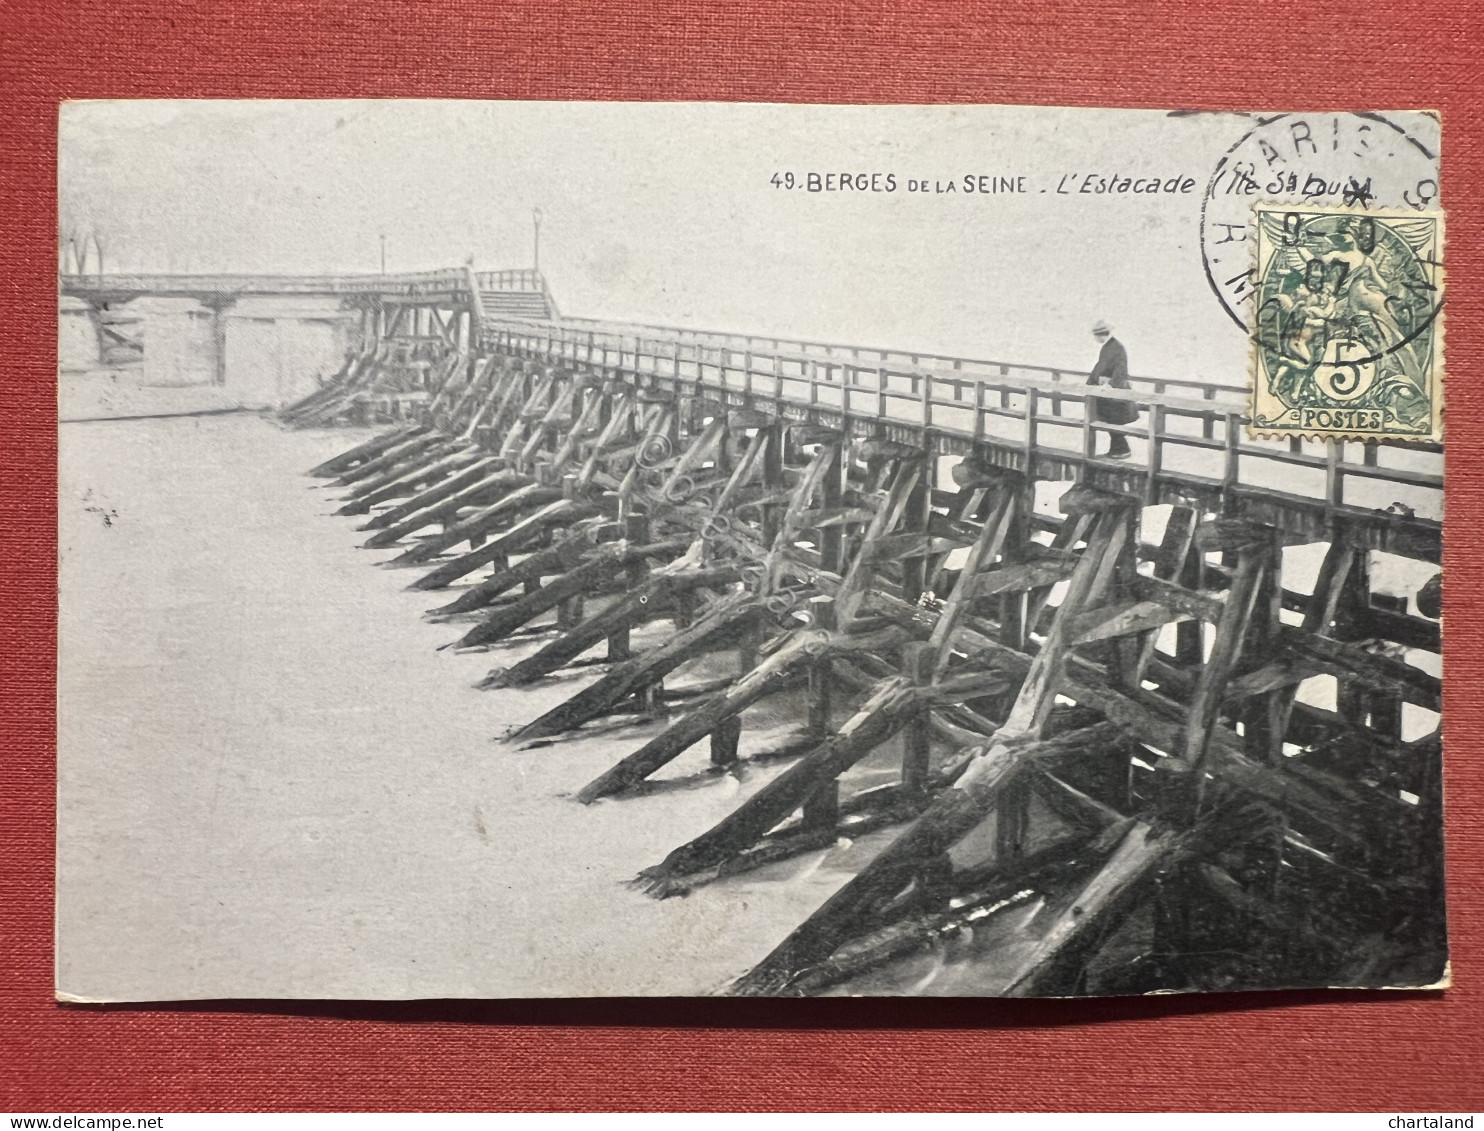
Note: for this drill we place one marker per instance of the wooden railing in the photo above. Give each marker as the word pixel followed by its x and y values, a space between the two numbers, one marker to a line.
pixel 1029 417
pixel 524 279
pixel 834 353
pixel 520 279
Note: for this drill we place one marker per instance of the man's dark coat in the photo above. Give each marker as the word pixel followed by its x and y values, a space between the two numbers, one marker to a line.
pixel 1112 367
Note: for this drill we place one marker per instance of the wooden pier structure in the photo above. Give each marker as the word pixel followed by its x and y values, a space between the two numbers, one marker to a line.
pixel 1079 703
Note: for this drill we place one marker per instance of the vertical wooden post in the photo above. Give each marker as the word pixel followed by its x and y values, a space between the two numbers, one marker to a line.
pixel 821 676
pixel 1334 472
pixel 1265 717
pixel 772 480
pixel 1014 605
pixel 1089 433
pixel 1032 410
pixel 724 740
pixel 822 808
pixel 636 532
pixel 918 666
pixel 1253 561
pixel 918 514
pixel 831 538
pixel 1156 453
pixel 1190 645
pixel 1351 700
pixel 1012 812
pixel 1233 443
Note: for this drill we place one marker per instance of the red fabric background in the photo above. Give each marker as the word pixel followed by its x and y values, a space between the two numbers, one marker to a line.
pixel 1286 1051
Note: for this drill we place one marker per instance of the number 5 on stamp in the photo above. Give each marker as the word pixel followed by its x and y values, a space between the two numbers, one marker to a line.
pixel 1347 339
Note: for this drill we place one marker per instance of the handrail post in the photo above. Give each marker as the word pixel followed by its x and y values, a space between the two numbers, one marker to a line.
pixel 1032 410
pixel 1233 450
pixel 1089 435
pixel 1156 434
pixel 1334 472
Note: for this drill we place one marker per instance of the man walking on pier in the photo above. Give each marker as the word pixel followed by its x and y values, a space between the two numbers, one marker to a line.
pixel 1112 367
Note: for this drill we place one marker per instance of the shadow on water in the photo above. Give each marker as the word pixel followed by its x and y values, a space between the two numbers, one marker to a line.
pixel 789 1013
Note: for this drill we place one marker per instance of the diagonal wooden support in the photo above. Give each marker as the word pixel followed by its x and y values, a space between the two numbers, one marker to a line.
pixel 364 453
pixel 539 519
pixel 1111 533
pixel 748 468
pixel 482 522
pixel 305 410
pixel 726 619
pixel 601 564
pixel 392 457
pixel 557 417
pixel 986 550
pixel 488 480
pixel 535 404
pixel 722 709
pixel 445 489
pixel 437 466
pixel 1172 562
pixel 987 782
pixel 563 554
pixel 697 724
pixel 879 717
pixel 1066 943
pixel 646 601
pixel 457 402
pixel 957 811
pixel 906 473
pixel 1254 565
pixel 619 421
pixel 412 465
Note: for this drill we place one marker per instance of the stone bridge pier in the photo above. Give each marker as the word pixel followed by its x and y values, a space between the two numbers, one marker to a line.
pixel 268 341
pixel 261 351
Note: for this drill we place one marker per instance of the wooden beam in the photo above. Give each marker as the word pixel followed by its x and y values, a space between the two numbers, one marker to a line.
pixel 956 811
pixel 877 719
pixel 726 617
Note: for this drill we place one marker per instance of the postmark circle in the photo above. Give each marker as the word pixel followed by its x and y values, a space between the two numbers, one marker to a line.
pixel 1357 161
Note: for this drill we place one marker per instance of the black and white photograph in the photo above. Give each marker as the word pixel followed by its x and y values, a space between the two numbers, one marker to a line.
pixel 559 549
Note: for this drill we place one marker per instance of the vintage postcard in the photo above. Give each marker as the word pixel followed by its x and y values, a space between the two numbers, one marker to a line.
pixel 545 549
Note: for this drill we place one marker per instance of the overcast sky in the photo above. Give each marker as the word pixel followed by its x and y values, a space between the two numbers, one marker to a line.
pixel 665 212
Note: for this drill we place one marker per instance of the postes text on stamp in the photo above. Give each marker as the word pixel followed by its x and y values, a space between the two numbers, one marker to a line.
pixel 1347 336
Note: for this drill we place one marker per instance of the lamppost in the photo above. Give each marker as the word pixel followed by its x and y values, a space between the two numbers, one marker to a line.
pixel 383 253
pixel 536 239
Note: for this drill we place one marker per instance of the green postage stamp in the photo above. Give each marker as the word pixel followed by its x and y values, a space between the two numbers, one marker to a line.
pixel 1347 338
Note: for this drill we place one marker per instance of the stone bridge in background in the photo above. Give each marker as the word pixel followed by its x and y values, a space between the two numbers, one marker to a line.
pixel 263 341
